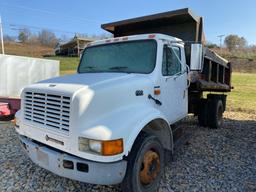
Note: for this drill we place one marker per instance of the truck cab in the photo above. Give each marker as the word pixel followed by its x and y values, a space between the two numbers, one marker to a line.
pixel 90 120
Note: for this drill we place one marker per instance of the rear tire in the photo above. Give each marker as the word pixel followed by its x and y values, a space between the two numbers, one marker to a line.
pixel 145 165
pixel 215 115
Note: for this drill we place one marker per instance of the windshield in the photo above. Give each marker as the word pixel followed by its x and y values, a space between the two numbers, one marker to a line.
pixel 127 57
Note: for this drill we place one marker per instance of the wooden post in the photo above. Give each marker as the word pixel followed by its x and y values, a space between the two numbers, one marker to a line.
pixel 1 31
pixel 210 71
pixel 78 51
pixel 217 73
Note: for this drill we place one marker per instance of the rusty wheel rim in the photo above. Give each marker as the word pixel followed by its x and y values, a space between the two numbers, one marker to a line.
pixel 150 167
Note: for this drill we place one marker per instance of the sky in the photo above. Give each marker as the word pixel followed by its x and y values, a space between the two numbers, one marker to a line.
pixel 221 17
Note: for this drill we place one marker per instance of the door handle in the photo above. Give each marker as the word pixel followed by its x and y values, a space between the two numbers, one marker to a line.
pixel 156 100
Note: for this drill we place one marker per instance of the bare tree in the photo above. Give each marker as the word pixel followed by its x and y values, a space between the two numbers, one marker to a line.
pixel 64 38
pixel 47 38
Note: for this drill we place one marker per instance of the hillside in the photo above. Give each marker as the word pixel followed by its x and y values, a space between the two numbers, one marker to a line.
pixel 30 50
pixel 242 98
pixel 242 61
pixel 67 64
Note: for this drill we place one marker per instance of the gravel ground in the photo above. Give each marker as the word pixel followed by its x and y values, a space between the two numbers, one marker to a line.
pixel 209 160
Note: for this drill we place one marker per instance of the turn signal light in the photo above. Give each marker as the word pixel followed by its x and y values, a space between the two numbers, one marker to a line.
pixel 157 91
pixel 112 147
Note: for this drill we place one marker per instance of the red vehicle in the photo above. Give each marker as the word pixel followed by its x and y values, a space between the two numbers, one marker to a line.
pixel 8 107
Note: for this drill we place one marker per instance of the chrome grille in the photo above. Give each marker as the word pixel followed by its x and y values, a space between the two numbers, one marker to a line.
pixel 48 109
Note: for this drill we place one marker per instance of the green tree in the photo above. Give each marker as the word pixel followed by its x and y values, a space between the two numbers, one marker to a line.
pixel 24 35
pixel 235 42
pixel 211 45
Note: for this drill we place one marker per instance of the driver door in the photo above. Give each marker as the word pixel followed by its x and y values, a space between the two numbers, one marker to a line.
pixel 174 94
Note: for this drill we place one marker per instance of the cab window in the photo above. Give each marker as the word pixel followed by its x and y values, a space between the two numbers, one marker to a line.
pixel 171 64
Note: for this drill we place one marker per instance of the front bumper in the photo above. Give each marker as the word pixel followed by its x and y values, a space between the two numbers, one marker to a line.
pixel 82 170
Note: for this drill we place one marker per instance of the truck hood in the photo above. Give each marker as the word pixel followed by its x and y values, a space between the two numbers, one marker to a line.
pixel 88 79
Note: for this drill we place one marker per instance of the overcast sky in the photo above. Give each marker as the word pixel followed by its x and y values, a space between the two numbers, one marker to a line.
pixel 84 16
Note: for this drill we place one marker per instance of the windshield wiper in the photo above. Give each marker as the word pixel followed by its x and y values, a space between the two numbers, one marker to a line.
pixel 118 67
pixel 89 67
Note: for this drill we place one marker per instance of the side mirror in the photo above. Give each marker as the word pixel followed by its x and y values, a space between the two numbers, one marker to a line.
pixel 196 57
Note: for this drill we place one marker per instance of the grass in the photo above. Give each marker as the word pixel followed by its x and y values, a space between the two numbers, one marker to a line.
pixel 68 65
pixel 242 98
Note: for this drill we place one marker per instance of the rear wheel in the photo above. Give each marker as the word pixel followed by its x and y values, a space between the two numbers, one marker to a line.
pixel 215 116
pixel 145 165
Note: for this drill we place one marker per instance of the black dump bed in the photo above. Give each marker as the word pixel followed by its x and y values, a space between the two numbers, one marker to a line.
pixel 182 24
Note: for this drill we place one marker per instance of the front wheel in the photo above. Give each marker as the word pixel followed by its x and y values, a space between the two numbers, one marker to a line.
pixel 145 165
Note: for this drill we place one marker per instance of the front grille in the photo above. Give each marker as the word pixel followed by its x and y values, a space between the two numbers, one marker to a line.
pixel 48 109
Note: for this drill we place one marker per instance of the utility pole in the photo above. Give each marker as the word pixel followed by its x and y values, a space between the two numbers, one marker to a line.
pixel 2 36
pixel 220 36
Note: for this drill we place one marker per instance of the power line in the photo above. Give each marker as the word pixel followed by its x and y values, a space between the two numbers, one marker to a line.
pixel 21 26
pixel 52 13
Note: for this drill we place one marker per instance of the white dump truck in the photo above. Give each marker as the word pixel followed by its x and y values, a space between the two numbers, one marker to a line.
pixel 111 122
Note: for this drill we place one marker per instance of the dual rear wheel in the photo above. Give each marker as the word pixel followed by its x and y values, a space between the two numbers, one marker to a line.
pixel 210 113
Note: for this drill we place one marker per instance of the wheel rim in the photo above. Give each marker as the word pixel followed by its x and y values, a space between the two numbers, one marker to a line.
pixel 150 167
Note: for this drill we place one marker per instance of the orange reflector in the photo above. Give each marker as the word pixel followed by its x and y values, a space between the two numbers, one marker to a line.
pixel 14 120
pixel 113 147
pixel 151 36
pixel 157 91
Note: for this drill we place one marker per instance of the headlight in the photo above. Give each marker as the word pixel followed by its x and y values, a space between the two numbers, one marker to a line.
pixel 83 144
pixel 106 148
pixel 95 146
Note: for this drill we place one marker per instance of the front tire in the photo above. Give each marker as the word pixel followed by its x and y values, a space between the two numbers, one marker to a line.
pixel 145 165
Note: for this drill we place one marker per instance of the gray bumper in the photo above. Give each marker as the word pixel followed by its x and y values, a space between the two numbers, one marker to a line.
pixel 83 170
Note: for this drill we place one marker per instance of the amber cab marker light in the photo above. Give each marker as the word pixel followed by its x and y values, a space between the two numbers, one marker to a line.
pixel 151 36
pixel 112 147
pixel 157 91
